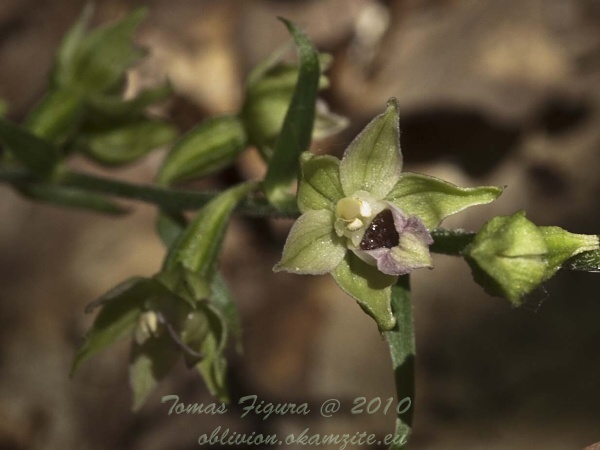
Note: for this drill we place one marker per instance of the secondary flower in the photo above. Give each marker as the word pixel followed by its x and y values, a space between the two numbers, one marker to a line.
pixel 366 222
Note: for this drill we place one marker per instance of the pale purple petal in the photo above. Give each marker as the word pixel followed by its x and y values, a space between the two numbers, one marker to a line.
pixel 412 251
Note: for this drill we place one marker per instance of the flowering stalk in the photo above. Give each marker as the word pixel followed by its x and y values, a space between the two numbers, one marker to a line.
pixel 401 341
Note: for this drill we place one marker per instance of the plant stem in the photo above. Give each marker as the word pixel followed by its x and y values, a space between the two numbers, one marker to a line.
pixel 167 198
pixel 448 242
pixel 402 349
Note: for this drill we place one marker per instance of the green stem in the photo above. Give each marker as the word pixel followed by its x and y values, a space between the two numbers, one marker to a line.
pixel 448 242
pixel 166 198
pixel 402 349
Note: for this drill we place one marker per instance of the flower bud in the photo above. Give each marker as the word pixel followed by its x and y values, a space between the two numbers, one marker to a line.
pixel 508 257
pixel 209 147
pixel 268 95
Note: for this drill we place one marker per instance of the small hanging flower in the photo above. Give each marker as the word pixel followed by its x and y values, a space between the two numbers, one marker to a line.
pixel 366 222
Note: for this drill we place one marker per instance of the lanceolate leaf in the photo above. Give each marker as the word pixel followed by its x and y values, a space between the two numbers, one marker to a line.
pixel 197 249
pixel 432 199
pixel 298 124
pixel 121 308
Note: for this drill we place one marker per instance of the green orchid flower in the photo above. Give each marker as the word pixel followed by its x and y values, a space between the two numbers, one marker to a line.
pixel 366 222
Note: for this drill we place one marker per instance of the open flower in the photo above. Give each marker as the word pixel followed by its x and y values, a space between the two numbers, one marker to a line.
pixel 366 222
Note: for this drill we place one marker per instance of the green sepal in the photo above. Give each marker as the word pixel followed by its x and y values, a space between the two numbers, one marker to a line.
pixel 369 287
pixel 205 332
pixel 373 161
pixel 297 127
pixel 150 362
pixel 71 197
pixel 121 307
pixel 563 245
pixel 223 300
pixel 312 247
pixel 198 247
pixel 508 257
pixel 36 154
pixel 210 147
pixel 126 143
pixel 97 61
pixel 432 199
pixel 320 186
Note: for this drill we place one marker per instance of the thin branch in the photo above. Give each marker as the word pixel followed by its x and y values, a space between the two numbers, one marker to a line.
pixel 402 350
pixel 448 242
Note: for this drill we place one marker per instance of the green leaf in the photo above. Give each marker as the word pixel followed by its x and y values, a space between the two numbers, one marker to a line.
pixel 312 247
pixel 97 62
pixel 150 363
pixel 121 308
pixel 56 117
pixel 401 340
pixel 373 161
pixel 128 142
pixel 369 287
pixel 36 154
pixel 508 257
pixel 197 249
pixel 207 148
pixel 298 124
pixel 72 197
pixel 432 199
pixel 320 186
pixel 563 245
pixel 223 300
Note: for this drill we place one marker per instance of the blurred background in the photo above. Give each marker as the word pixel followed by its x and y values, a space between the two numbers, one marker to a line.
pixel 491 92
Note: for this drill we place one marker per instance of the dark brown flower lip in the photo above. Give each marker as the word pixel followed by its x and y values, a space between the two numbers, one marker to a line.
pixel 381 233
